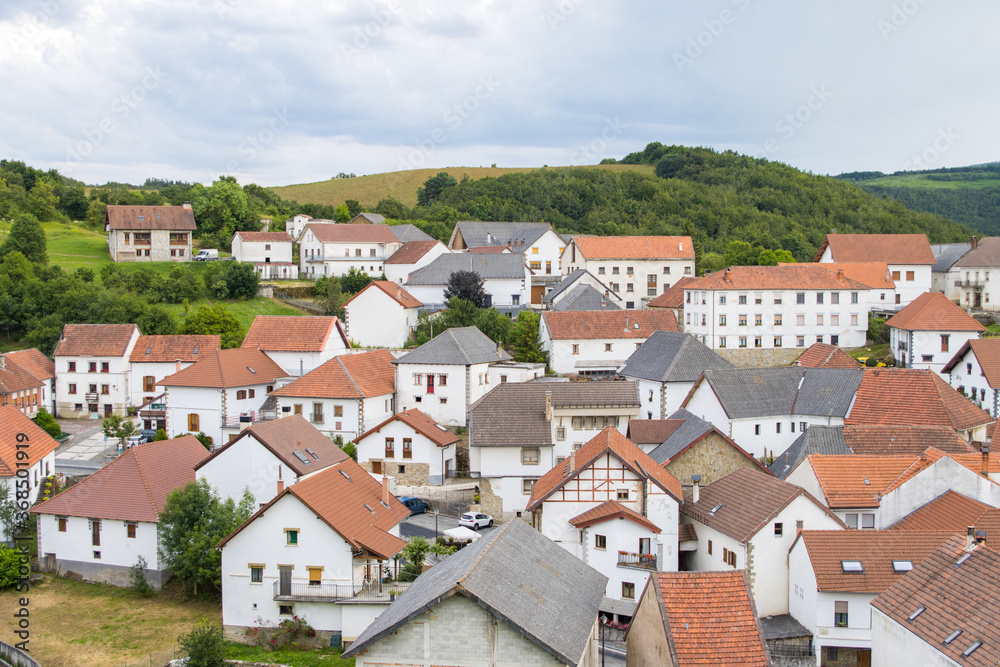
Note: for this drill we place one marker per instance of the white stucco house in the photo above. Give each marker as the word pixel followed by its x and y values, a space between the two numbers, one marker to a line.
pixel 411 256
pixel 298 344
pixel 333 250
pixel 20 387
pixel 27 457
pixel 506 278
pixel 269 252
pixel 41 367
pixel 295 225
pixel 908 256
pixel 975 372
pixel 968 280
pixel 154 358
pixel 92 369
pixel 876 275
pixel 926 333
pixel 383 314
pixel 410 447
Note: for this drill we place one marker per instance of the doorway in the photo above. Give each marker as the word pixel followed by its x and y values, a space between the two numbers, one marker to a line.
pixel 284 580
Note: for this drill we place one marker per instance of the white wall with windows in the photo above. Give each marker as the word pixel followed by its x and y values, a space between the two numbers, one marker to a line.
pixel 927 349
pixel 93 386
pixel 398 444
pixel 443 392
pixel 969 378
pixel 635 280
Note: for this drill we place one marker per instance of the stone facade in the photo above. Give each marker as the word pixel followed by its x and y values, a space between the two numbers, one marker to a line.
pixel 490 503
pixel 712 457
pixel 646 643
pixel 762 357
pixel 124 248
pixel 417 474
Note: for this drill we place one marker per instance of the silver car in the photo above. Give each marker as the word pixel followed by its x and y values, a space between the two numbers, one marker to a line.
pixel 475 520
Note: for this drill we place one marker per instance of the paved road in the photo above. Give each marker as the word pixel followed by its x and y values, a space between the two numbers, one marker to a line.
pixel 422 525
pixel 85 451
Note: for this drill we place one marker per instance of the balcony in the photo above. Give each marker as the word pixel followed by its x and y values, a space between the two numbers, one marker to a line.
pixel 341 593
pixel 643 561
pixel 248 418
pixel 91 397
pixel 974 284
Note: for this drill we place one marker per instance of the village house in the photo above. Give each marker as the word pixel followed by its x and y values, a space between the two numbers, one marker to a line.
pixel 269 252
pixel 970 276
pixel 42 368
pixel 518 432
pixel 92 369
pixel 822 355
pixel 101 526
pixel 696 618
pixel 298 344
pixel 908 256
pixel 410 447
pixel 154 358
pixel 319 550
pixel 383 314
pixel 344 397
pixel 27 457
pixel 506 278
pixel 665 367
pixel 598 343
pixel 221 394
pixel 975 372
pixel 333 250
pixel 926 333
pixel 150 233
pixel 411 256
pixel 295 225
pixel 474 605
pixel 876 275
pixel 18 387
pixel 639 268
pixel 748 520
pixel 581 290
pixel 945 256
pixel 266 457
pixel 773 307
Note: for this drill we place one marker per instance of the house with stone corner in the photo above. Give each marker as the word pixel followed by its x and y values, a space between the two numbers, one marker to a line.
pixel 968 279
pixel 946 255
pixel 268 456
pixel 597 343
pixel 506 278
pixel 665 367
pixel 410 257
pixel 612 507
pixel 748 520
pixel 411 447
pixel 221 394
pixel 447 374
pixel 765 409
pixel 475 605
pixel 383 314
pixel 697 618
pixel 43 368
pixel 269 252
pixel 92 370
pixel 952 512
pixel 344 397
pixel 101 526
pixel 27 457
pixel 673 299
pixel 150 233
pixel 915 397
pixel 908 257
pixel 687 446
pixel 20 388
pixel 975 372
pixel 518 432
pixel 640 268
pixel 581 290
pixel 319 550
pixel 876 275
pixel 298 344
pixel 333 250
pixel 154 358
pixel 822 355
pixel 945 612
pixel 864 440
pixel 834 575
pixel 926 333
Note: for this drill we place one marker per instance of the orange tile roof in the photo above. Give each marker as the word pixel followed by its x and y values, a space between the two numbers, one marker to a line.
pixel 238 367
pixel 341 496
pixel 608 324
pixel 635 247
pixel 954 512
pixel 888 248
pixel 265 237
pixel 823 355
pixel 33 361
pixel 356 233
pixel 987 351
pixel 393 291
pixel 361 375
pixel 173 218
pixel 865 440
pixel 933 311
pixel 786 277
pixel 673 297
pixel 40 444
pixel 171 348
pixel 875 275
pixel 133 487
pixel 909 396
pixel 612 509
pixel 851 481
pixel 289 333
pixel 420 423
pixel 14 378
pixel 95 340
pixel 710 618
pixel 411 252
pixel 876 549
pixel 607 441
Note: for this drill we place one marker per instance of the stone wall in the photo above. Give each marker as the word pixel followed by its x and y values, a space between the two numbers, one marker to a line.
pixel 489 502
pixel 116 575
pixel 417 474
pixel 712 457
pixel 759 358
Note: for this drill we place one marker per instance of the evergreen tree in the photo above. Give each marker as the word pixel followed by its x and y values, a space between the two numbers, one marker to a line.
pixel 27 237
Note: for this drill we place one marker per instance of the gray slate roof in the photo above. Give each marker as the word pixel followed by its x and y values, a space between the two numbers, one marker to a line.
pixel 815 440
pixel 585 297
pixel 517 575
pixel 946 254
pixel 461 346
pixel 669 356
pixel 692 430
pixel 513 413
pixel 373 218
pixel 407 233
pixel 478 234
pixel 566 283
pixel 490 266
pixel 783 627
pixel 767 392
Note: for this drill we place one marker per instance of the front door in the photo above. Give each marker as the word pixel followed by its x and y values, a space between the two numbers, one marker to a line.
pixel 864 657
pixel 107 409
pixel 644 545
pixel 376 467
pixel 284 580
pixel 430 384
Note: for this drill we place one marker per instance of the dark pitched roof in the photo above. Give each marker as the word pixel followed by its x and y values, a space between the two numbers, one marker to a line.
pixel 824 355
pixel 888 248
pixel 517 235
pixel 946 254
pixel 516 574
pixel 368 219
pixel 95 340
pixel 765 392
pixel 987 253
pixel 407 233
pixel 912 396
pixel 814 440
pixel 691 430
pixel 568 282
pixel 671 356
pixel 585 298
pixel 457 346
pixel 651 431
pixel 151 217
pixel 500 266
pixel 783 626
pixel 933 311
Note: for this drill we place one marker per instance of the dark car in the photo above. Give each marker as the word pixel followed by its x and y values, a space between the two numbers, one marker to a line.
pixel 415 505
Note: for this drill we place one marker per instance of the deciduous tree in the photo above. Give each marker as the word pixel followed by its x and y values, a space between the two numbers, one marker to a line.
pixel 466 285
pixel 27 237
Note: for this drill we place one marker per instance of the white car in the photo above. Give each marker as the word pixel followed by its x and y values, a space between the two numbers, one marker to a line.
pixel 475 520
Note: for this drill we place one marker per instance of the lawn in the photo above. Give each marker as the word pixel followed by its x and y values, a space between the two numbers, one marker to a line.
pixel 921 181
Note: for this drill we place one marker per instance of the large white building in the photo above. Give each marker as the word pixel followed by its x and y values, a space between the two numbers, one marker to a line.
pixel 92 369
pixel 333 250
pixel 908 256
pixel 968 281
pixel 410 447
pixel 975 372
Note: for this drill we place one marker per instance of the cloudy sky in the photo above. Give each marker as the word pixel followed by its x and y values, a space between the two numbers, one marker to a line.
pixel 279 92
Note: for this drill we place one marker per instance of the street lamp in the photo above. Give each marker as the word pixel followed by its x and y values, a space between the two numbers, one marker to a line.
pixel 604 624
pixel 437 510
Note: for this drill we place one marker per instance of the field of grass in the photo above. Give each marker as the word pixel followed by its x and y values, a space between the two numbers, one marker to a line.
pixel 922 181
pixel 402 185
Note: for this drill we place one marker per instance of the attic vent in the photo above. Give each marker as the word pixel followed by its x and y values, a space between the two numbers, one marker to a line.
pixel 301 457
pixel 852 566
pixel 140 218
pixel 914 615
pixel 312 453
pixel 902 565
pixel 251 370
pixel 149 350
pixel 716 509
pixel 963 559
pixel 635 326
pixel 867 482
pixel 952 637
pixel 196 350
pixel 972 649
pixel 369 508
pixel 346 476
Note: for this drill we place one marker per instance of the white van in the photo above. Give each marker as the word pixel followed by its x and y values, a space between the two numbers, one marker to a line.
pixel 206 255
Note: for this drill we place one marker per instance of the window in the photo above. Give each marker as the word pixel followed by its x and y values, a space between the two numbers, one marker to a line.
pixel 840 614
pixel 250 393
pixel 629 270
pixel 442 380
pixel 758 320
pixel 758 341
pixel 628 590
pixel 317 415
pixel 777 427
pixel 357 252
pixel 854 297
pixel 62 524
pixel 92 366
pixel 909 275
pixel 241 394
pixel 777 341
pixel 687 270
pixel 833 653
pixel 703 319
pixel 800 320
pixel 742 299
pixel 742 321
pixel 315 574
pixel 529 456
pixel 149 383
pixel 800 341
pixel 72 389
pixel 800 297
pixel 819 297
pixel 576 346
pixel 710 547
pixel 291 536
pixel 600 270
pixel 743 341
pixel 630 287
pixel 600 542
pixel 622 494
pixel 527 485
pixel 722 341
pixel 756 429
pixel 666 270
pixel 417 379
pixel 835 297
pixel 338 411
pixel 105 389
pixel 407 448
pixel 390 448
pixel 193 422
pixel 607 347
pixel 615 271
pixel 561 433
pixel 895 275
pixel 777 320
pixel 95 533
pixel 722 299
pixel 297 409
pixel 834 320
pixel 868 520
pixel 851 520
pixel 778 529
pixel 286 610
pixel 854 319
pixel 945 338
pixel 130 528
pixel 256 574
pixel 105 367
pixel 72 367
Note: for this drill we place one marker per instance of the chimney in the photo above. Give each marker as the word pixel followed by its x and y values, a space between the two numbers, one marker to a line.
pixel 985 449
pixel 281 485
pixel 385 489
pixel 186 205
pixel 970 539
pixel 981 536
pixel 840 274
pixel 177 365
pixel 572 461
pixel 548 406
pixel 975 242
pixel 725 276
pixel 696 491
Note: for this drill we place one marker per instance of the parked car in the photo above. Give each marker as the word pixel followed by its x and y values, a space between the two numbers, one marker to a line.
pixel 416 505
pixel 206 255
pixel 475 520
pixel 136 440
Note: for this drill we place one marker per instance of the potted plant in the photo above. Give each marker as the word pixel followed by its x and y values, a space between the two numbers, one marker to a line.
pixel 392 595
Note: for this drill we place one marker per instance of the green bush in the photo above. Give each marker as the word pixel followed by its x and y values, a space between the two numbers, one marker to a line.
pixel 204 645
pixel 48 423
pixel 137 579
pixel 871 362
pixel 161 434
pixel 9 565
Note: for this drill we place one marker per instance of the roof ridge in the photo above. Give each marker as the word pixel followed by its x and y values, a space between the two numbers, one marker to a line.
pixel 348 374
pixel 142 476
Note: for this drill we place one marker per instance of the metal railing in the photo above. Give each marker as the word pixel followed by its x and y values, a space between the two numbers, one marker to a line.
pixel 645 561
pixel 252 417
pixel 791 651
pixel 375 593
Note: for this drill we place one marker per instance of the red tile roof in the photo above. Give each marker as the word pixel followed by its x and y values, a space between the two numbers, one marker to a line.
pixel 159 349
pixel 953 512
pixel 909 396
pixel 867 440
pixel 356 233
pixel 823 355
pixel 850 481
pixel 710 618
pixel 987 351
pixel 786 277
pixel 173 218
pixel 361 375
pixel 420 423
pixel 612 509
pixel 888 248
pixel 933 311
pixel 608 324
pixel 393 291
pixel 13 422
pixel 289 333
pixel 133 487
pixel 411 252
pixel 651 431
pixel 875 275
pixel 33 361
pixel 94 340
pixel 238 367
pixel 283 437
pixel 265 237
pixel 673 297
pixel 635 247
pixel 14 378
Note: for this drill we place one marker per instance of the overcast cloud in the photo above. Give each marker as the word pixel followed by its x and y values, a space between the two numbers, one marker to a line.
pixel 279 92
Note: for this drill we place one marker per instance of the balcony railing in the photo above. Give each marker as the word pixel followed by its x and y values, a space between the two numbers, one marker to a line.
pixel 645 561
pixel 343 593
pixel 791 651
pixel 248 418
pixel 970 283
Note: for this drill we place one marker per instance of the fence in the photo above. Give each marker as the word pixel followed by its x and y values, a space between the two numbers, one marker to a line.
pixel 15 657
pixel 157 659
pixel 338 592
